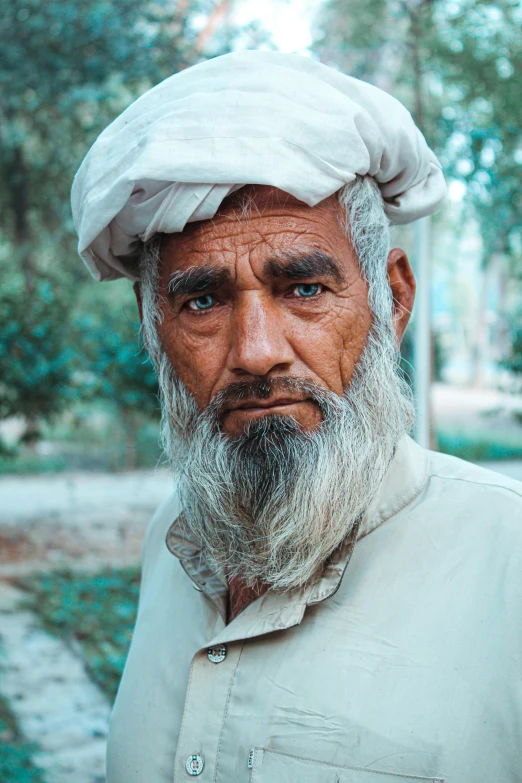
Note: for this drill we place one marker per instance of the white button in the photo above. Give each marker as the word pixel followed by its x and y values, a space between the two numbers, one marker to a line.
pixel 217 654
pixel 194 765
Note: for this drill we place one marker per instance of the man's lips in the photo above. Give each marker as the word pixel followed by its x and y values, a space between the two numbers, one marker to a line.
pixel 257 405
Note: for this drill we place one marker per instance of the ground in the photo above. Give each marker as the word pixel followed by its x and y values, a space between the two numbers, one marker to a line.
pixel 84 520
pixel 70 546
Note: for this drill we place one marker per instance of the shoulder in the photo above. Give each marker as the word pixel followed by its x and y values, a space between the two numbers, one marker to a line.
pixel 453 472
pixel 482 501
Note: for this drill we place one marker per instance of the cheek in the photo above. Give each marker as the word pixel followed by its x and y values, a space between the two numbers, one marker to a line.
pixel 332 346
pixel 197 360
pixel 354 343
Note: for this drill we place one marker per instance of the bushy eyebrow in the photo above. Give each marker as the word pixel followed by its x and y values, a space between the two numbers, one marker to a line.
pixel 196 280
pixel 300 266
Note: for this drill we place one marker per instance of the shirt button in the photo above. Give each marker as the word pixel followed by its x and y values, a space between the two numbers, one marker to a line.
pixel 194 765
pixel 217 654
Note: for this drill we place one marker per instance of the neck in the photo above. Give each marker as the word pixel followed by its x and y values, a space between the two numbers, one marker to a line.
pixel 240 595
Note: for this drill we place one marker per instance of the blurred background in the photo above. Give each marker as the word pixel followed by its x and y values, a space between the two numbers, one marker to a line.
pixel 78 412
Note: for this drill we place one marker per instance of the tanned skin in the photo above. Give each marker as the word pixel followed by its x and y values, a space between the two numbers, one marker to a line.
pixel 276 293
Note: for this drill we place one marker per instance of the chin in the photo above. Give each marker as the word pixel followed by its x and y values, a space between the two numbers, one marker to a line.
pixel 261 422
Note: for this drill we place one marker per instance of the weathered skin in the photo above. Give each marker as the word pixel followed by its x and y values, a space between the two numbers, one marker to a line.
pixel 262 328
pixel 259 327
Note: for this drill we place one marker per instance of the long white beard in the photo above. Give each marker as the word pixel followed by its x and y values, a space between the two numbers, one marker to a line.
pixel 274 504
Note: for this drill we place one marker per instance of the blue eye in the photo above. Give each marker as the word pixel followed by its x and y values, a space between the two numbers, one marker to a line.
pixel 308 289
pixel 204 302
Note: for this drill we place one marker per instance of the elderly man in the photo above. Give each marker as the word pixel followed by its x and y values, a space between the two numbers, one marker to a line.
pixel 322 600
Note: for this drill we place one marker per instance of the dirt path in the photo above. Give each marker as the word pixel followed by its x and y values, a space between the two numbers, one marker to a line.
pixel 476 410
pixel 78 520
pixel 82 520
pixel 55 703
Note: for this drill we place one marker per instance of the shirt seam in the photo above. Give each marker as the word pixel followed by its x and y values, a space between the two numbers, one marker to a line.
pixel 225 713
pixel 477 483
pixel 433 779
pixel 183 720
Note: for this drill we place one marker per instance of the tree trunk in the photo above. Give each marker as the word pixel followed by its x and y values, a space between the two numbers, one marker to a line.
pixel 18 185
pixel 31 434
pixel 423 348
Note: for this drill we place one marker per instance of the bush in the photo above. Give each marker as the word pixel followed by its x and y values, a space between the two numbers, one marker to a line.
pixel 480 447
pixel 98 610
pixel 16 755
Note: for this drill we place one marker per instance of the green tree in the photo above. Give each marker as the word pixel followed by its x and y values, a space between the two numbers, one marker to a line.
pixel 110 362
pixel 66 70
pixel 458 67
pixel 35 354
pixel 478 51
pixel 514 361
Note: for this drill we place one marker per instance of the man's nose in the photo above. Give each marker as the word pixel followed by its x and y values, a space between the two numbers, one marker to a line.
pixel 258 343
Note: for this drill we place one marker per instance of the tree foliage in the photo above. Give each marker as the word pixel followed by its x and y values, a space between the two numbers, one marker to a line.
pixel 66 70
pixel 457 64
pixel 35 351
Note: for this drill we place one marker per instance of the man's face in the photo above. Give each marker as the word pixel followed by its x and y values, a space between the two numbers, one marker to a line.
pixel 276 293
pixel 267 334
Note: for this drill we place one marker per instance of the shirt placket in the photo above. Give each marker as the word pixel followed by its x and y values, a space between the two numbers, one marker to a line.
pixel 208 694
pixel 213 668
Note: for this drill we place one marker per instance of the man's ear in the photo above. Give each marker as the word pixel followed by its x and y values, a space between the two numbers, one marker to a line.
pixel 137 292
pixel 402 284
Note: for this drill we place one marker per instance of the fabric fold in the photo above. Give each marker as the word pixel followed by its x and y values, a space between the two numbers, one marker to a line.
pixel 246 118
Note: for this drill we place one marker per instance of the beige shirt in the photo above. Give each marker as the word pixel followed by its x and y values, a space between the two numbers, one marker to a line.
pixel 404 662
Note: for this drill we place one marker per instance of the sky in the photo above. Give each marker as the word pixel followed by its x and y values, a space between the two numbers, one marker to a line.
pixel 289 22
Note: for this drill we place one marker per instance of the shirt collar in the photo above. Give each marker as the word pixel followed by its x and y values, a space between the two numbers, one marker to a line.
pixel 403 481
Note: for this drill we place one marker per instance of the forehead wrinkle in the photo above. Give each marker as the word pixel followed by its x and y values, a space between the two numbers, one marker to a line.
pixel 232 224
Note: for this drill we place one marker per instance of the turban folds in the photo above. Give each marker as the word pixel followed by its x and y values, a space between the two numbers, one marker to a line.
pixel 247 118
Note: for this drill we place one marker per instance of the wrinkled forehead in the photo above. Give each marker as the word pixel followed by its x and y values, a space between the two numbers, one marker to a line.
pixel 262 197
pixel 257 214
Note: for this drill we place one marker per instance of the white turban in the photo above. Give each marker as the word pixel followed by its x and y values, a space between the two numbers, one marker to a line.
pixel 247 118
